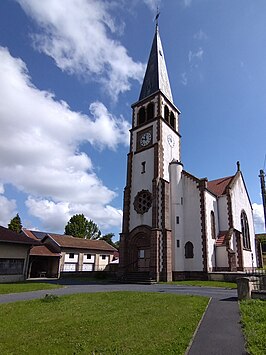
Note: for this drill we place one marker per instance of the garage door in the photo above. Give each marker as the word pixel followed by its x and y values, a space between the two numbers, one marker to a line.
pixel 87 267
pixel 70 267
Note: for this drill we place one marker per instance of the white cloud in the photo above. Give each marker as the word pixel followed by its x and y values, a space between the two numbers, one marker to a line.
pixel 153 5
pixel 258 216
pixel 197 55
pixel 54 216
pixel 41 155
pixel 200 35
pixel 186 3
pixel 7 210
pixel 184 78
pixel 113 130
pixel 80 36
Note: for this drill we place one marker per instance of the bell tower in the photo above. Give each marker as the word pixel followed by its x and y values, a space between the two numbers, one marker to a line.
pixel 145 241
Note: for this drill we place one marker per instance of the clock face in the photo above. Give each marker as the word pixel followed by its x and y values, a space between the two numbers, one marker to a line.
pixel 170 140
pixel 145 139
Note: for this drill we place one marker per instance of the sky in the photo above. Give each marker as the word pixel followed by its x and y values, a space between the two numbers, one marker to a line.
pixel 69 73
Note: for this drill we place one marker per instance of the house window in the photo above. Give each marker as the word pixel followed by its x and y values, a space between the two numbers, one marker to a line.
pixel 213 225
pixel 177 219
pixel 71 255
pixel 141 253
pixel 177 243
pixel 150 111
pixel 181 200
pixel 245 230
pixel 11 266
pixel 103 257
pixel 88 256
pixel 166 113
pixel 143 164
pixel 142 115
pixel 189 250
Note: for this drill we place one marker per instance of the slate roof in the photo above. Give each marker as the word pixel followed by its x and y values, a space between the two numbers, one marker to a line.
pixel 218 187
pixel 156 77
pixel 67 241
pixel 9 236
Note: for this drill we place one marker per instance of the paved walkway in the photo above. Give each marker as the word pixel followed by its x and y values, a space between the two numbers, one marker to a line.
pixel 220 331
pixel 218 334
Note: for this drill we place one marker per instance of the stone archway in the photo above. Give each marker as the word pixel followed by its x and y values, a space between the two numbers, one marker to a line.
pixel 139 256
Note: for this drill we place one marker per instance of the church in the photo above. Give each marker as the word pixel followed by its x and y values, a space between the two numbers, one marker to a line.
pixel 176 225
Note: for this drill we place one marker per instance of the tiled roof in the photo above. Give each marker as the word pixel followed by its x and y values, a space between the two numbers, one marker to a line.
pixel 42 250
pixel 221 240
pixel 67 241
pixel 9 236
pixel 218 187
pixel 29 234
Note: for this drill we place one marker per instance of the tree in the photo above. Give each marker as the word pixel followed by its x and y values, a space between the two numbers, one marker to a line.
pixel 108 238
pixel 15 224
pixel 80 227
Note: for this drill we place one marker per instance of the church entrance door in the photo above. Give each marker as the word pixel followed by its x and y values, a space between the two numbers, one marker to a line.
pixel 144 259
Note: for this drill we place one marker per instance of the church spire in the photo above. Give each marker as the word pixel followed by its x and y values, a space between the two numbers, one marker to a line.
pixel 156 77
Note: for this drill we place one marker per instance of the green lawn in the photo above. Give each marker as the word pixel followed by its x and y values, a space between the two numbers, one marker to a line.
pixel 101 323
pixel 253 319
pixel 204 283
pixel 25 287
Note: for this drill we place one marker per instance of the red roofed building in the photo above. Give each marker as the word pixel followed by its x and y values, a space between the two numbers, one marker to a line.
pixel 64 253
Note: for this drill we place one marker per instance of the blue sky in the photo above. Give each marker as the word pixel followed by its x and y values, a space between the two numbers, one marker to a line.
pixel 69 72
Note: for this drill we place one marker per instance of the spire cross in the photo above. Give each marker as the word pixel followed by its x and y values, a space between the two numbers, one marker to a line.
pixel 157 16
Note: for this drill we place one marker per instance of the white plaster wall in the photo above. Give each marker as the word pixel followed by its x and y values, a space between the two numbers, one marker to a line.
pixel 88 260
pixel 221 257
pixel 223 213
pixel 240 201
pixel 169 153
pixel 71 260
pixel 192 225
pixel 211 205
pixel 141 182
pixel 103 262
pixel 176 198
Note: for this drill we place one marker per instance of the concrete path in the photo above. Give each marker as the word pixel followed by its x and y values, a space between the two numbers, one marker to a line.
pixel 72 287
pixel 218 334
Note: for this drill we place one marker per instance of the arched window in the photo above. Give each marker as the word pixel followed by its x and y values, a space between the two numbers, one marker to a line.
pixel 142 115
pixel 172 120
pixel 150 111
pixel 213 225
pixel 166 113
pixel 245 230
pixel 189 250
